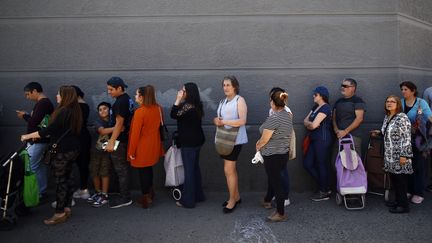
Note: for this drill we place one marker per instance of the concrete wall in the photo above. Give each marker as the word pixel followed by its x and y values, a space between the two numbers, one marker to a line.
pixel 296 44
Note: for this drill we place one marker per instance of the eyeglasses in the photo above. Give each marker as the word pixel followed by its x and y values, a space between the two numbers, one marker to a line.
pixel 346 86
pixel 391 101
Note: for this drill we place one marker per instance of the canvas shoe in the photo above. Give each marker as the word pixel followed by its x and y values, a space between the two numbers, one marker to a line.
pixel 320 196
pixel 101 200
pixel 83 194
pixel 93 197
pixel 120 202
pixel 54 204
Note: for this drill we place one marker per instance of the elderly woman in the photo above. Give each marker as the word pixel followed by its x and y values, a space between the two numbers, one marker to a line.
pixel 274 147
pixel 232 112
pixel 63 129
pixel 418 113
pixel 398 152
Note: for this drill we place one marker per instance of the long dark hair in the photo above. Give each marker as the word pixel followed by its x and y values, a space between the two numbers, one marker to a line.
pixel 148 94
pixel 69 100
pixel 193 97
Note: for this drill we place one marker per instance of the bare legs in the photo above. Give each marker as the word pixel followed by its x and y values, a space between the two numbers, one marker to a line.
pixel 232 182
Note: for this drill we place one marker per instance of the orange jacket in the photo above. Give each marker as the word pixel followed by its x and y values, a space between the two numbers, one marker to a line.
pixel 144 139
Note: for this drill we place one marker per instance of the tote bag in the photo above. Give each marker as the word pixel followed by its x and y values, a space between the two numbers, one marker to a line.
pixel 225 137
pixel 31 188
pixel 173 167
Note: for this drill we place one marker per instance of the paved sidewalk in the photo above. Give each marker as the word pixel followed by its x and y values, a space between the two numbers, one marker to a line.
pixel 308 222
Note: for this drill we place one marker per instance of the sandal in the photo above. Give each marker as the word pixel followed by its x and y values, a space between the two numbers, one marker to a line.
pixel 56 219
pixel 68 212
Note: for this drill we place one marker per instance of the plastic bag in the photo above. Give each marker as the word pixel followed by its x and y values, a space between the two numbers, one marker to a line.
pixel 31 187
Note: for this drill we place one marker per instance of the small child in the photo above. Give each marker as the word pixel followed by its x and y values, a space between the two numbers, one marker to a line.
pixel 100 162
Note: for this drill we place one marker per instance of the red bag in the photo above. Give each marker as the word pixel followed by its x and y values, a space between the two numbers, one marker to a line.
pixel 306 143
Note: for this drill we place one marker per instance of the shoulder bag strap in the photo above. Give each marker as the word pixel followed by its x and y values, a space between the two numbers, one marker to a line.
pixel 160 113
pixel 54 145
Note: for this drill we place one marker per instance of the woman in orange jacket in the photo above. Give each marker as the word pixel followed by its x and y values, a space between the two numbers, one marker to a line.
pixel 145 147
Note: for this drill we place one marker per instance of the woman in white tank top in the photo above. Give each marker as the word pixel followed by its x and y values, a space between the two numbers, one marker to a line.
pixel 232 112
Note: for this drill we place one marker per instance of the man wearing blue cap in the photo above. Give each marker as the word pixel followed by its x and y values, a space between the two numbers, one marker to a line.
pixel 121 118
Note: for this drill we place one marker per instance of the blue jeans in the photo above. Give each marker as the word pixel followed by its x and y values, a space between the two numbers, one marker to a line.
pixel 36 152
pixel 315 162
pixel 192 187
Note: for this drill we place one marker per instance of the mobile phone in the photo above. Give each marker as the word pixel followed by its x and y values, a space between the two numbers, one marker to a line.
pixel 116 144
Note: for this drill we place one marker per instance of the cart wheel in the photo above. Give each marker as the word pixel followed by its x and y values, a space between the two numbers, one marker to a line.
pixel 176 193
pixel 387 195
pixel 338 199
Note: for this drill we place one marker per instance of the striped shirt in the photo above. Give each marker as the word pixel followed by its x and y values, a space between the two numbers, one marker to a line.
pixel 281 124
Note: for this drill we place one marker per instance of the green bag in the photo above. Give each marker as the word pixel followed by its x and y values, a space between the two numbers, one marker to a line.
pixel 31 188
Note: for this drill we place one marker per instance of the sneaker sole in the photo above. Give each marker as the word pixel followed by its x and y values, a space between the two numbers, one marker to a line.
pixel 99 205
pixel 122 205
pixel 320 199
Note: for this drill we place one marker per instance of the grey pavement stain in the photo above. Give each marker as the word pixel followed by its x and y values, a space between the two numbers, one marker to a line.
pixel 252 229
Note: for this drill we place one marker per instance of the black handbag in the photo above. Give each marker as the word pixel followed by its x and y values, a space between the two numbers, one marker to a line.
pixel 52 149
pixel 163 130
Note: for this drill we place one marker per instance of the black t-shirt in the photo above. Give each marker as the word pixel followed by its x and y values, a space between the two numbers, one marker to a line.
pixel 42 107
pixel 345 112
pixel 85 137
pixel 123 106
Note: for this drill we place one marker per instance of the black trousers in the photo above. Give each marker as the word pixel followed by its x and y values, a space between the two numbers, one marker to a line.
pixel 146 179
pixel 400 185
pixel 274 165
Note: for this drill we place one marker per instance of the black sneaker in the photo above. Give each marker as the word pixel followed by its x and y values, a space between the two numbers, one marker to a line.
pixel 320 196
pixel 119 202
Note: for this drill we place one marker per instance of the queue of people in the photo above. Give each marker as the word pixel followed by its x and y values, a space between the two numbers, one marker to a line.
pixel 129 136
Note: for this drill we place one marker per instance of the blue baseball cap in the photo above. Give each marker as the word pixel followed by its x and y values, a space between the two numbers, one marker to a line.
pixel 116 82
pixel 321 90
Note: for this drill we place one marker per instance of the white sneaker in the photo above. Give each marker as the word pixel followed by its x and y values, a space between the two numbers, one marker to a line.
pixel 286 202
pixel 54 204
pixel 417 199
pixel 83 194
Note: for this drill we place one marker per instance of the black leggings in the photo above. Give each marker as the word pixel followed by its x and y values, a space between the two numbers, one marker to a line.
pixel 146 179
pixel 274 165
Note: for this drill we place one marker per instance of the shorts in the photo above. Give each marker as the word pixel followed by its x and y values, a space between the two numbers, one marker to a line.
pixel 100 164
pixel 233 156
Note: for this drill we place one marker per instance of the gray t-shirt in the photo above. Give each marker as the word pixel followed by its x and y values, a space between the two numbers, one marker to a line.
pixel 281 124
pixel 344 110
pixel 101 138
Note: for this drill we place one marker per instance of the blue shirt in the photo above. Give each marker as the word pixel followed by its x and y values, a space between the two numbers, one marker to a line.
pixel 323 132
pixel 412 114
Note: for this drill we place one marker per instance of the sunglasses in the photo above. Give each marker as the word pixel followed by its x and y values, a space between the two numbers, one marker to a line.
pixel 346 86
pixel 391 101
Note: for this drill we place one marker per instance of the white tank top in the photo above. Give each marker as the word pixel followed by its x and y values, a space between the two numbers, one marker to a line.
pixel 228 110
